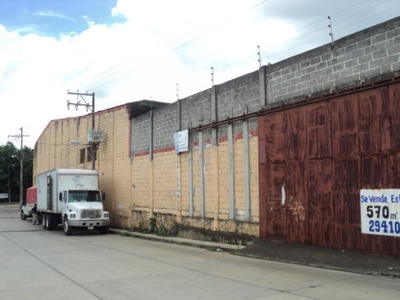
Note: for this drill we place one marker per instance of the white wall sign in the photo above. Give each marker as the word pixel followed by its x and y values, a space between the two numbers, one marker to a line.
pixel 380 212
pixel 181 141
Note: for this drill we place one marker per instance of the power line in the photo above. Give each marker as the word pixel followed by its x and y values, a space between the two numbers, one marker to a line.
pixel 141 63
pixel 171 50
pixel 364 19
pixel 321 28
pixel 308 42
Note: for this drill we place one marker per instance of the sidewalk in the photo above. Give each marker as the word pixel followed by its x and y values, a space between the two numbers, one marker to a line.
pixel 307 255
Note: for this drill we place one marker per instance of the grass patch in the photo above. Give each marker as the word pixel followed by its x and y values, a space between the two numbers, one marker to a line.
pixel 233 251
pixel 213 248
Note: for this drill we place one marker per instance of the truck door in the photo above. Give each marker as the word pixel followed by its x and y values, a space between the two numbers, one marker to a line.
pixel 49 193
pixel 64 203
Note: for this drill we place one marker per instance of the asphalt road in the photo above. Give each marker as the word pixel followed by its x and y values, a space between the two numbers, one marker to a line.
pixel 39 264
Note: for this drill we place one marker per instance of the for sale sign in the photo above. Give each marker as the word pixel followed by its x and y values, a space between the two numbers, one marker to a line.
pixel 380 212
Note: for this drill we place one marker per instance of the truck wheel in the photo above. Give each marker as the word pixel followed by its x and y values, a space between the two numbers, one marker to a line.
pixel 67 229
pixel 49 222
pixel 44 221
pixel 103 230
pixel 23 217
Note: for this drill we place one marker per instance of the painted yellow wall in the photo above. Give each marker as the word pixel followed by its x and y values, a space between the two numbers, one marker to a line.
pixel 54 150
pixel 137 188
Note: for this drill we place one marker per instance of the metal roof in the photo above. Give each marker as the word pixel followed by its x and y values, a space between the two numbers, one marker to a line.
pixel 138 108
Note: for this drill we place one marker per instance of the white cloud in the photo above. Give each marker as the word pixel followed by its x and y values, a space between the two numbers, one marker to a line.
pixel 159 43
pixel 52 14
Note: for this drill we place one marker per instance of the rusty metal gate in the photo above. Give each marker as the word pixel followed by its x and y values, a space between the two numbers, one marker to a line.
pixel 315 158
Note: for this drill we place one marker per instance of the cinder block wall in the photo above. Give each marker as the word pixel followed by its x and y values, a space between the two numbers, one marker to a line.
pixel 362 57
pixel 202 188
pixel 53 149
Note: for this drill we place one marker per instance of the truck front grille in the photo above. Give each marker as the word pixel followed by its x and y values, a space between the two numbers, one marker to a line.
pixel 91 213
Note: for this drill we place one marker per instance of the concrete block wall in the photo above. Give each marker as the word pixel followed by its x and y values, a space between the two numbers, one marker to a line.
pixel 40 155
pixel 211 196
pixel 137 186
pixel 51 138
pixel 234 95
pixel 165 187
pixel 106 122
pixel 58 141
pixel 72 152
pixel 232 98
pixel 196 204
pixel 141 184
pixel 195 110
pixel 53 150
pixel 121 193
pixel 238 161
pixel 353 60
pixel 184 184
pixel 140 134
pixel 165 123
pixel 362 57
pixel 223 178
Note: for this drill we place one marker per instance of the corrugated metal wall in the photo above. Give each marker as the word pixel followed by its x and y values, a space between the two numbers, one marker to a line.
pixel 315 159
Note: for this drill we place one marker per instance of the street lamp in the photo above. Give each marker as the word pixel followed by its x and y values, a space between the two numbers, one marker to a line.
pixel 21 179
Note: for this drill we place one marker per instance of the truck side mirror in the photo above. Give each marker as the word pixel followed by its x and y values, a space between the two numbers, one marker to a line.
pixel 60 196
pixel 103 196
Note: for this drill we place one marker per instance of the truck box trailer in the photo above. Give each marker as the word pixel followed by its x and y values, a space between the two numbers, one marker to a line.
pixel 71 197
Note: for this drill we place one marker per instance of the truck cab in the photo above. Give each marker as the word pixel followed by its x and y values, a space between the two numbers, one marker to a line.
pixel 83 208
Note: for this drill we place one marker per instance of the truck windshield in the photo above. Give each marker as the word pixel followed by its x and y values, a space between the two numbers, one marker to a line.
pixel 84 196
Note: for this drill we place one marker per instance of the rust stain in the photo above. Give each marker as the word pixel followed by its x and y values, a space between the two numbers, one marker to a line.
pixel 327 152
pixel 297 209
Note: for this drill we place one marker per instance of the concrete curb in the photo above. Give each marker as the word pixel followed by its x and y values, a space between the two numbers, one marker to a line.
pixel 179 241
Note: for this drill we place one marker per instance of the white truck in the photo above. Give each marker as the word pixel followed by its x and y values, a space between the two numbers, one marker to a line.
pixel 71 197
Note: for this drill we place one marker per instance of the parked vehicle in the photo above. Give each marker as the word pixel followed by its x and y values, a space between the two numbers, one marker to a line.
pixel 31 199
pixel 71 197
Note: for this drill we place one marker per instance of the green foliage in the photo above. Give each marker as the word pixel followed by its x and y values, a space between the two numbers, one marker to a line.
pixel 163 231
pixel 152 224
pixel 212 248
pixel 10 170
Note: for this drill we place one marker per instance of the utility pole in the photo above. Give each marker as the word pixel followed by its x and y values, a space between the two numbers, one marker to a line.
pixel 259 57
pixel 21 162
pixel 93 145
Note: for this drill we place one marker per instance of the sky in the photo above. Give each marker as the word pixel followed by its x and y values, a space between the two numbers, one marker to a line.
pixel 130 50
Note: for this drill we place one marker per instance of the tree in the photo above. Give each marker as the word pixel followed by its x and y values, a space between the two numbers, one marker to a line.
pixel 10 170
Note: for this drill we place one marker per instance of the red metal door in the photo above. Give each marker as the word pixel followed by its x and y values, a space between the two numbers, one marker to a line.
pixel 317 158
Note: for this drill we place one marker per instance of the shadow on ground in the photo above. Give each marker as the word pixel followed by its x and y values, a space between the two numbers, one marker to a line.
pixel 315 256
